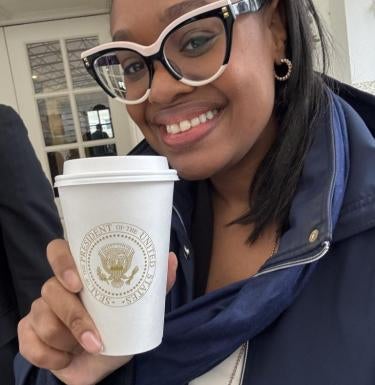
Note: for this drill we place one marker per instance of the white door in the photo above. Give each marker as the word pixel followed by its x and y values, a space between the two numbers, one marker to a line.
pixel 7 92
pixel 67 115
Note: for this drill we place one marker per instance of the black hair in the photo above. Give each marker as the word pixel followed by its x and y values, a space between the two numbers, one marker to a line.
pixel 298 104
pixel 99 107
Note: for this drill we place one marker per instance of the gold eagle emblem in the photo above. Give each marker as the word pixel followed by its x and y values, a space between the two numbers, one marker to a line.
pixel 117 259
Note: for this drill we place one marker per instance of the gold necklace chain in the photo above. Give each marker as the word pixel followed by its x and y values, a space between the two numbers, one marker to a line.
pixel 275 248
pixel 243 346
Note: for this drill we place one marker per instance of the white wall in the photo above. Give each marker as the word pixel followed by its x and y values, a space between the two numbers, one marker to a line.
pixel 361 37
pixel 333 13
pixel 352 26
pixel 7 91
pixel 323 7
pixel 341 60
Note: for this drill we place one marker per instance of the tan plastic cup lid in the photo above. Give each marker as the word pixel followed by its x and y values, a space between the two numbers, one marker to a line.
pixel 116 169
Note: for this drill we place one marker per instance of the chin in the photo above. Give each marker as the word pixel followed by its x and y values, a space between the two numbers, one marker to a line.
pixel 195 171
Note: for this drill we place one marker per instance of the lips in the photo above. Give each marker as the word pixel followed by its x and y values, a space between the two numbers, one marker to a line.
pixel 183 140
pixel 181 125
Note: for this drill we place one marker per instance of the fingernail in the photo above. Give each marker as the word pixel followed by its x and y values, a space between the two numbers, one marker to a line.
pixel 72 280
pixel 91 343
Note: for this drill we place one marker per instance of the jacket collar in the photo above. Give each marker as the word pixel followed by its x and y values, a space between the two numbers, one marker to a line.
pixel 314 210
pixel 358 212
pixel 312 217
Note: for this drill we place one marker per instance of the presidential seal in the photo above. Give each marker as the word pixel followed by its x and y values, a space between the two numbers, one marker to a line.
pixel 118 263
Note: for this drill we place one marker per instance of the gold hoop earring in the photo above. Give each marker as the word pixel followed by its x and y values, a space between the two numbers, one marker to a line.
pixel 289 64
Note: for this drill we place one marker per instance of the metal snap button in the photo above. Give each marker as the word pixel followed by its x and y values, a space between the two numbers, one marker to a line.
pixel 187 252
pixel 314 235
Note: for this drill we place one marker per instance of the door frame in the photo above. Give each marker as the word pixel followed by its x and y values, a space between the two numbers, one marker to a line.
pixel 17 38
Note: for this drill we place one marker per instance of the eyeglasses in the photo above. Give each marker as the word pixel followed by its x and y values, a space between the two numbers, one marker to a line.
pixel 194 49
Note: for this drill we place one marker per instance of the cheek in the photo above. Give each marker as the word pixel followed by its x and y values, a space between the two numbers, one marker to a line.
pixel 252 93
pixel 250 82
pixel 136 113
pixel 252 52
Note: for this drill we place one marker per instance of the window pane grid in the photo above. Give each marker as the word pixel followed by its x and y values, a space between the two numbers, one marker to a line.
pixel 47 68
pixel 65 96
pixel 68 92
pixel 79 76
pixel 71 96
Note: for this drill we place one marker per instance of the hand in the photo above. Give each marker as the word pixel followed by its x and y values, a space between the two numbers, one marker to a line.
pixel 59 335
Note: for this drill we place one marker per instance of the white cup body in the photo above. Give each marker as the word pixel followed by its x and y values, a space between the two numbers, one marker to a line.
pixel 119 236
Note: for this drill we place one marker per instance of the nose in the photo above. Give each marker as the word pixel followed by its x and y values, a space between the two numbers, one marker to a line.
pixel 164 87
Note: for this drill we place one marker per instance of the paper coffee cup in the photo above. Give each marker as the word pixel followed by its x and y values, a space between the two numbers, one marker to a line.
pixel 117 212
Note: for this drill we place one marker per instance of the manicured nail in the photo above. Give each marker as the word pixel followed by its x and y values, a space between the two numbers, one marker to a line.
pixel 72 280
pixel 91 343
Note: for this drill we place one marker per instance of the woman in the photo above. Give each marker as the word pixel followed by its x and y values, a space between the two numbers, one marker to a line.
pixel 273 226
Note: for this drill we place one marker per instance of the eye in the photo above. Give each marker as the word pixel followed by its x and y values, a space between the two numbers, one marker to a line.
pixel 133 68
pixel 198 45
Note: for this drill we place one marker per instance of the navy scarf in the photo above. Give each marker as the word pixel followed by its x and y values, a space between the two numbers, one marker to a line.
pixel 201 334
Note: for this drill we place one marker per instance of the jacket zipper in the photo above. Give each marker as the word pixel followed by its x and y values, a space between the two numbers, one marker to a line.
pixel 304 261
pixel 180 218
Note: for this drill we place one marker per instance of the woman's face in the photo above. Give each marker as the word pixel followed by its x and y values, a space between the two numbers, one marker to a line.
pixel 241 100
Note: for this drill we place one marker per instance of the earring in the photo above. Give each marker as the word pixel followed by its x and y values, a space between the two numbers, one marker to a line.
pixel 289 64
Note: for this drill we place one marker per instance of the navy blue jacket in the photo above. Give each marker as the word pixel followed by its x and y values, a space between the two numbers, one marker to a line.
pixel 327 336
pixel 28 221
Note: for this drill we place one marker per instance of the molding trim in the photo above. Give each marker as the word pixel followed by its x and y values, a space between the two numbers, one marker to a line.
pixel 6 20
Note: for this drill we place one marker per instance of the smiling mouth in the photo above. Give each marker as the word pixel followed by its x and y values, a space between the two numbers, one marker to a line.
pixel 186 125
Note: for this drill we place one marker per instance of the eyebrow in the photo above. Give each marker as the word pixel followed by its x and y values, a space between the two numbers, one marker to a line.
pixel 181 8
pixel 170 14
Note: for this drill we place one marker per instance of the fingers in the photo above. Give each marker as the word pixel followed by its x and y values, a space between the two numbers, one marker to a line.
pixel 37 352
pixel 62 263
pixel 69 310
pixel 49 329
pixel 172 269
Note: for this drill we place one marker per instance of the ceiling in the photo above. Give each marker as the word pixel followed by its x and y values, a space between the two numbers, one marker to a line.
pixel 23 11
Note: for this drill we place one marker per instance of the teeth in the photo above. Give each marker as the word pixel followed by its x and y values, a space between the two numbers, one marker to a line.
pixel 186 125
pixel 195 122
pixel 174 129
pixel 203 118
